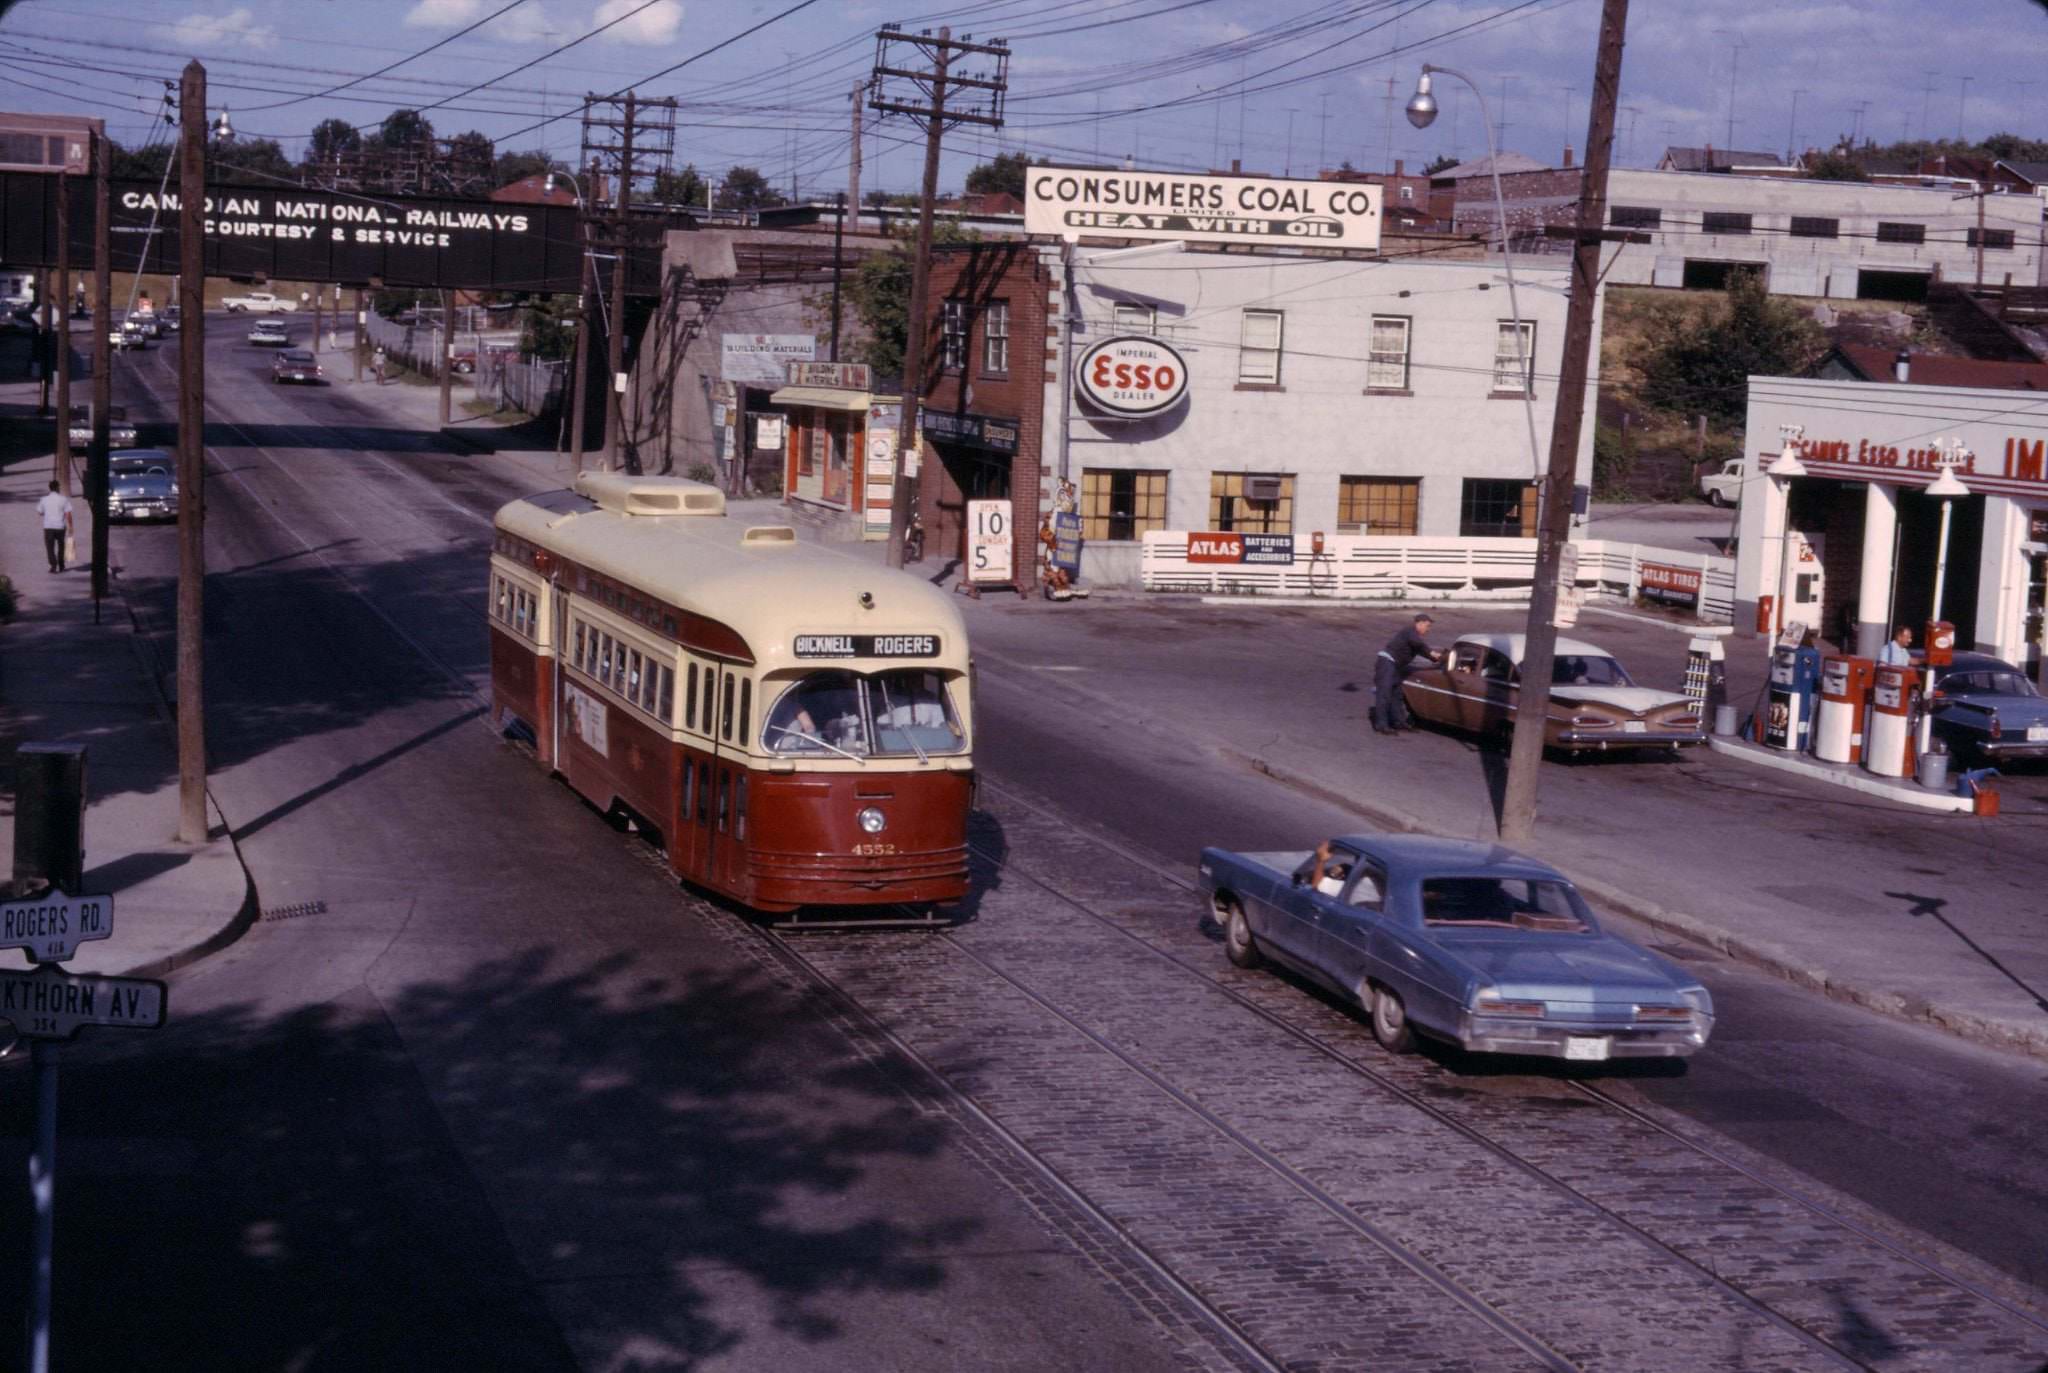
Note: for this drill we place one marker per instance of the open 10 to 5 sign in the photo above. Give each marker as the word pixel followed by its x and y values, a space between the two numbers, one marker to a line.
pixel 991 541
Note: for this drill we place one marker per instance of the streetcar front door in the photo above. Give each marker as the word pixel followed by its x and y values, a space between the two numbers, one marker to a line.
pixel 687 845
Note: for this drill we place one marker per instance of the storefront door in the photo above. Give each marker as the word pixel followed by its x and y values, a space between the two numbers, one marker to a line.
pixel 2037 613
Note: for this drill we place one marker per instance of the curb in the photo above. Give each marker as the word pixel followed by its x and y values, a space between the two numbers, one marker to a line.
pixel 1768 957
pixel 1904 794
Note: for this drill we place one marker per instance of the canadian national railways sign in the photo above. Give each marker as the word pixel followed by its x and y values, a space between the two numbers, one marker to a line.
pixel 1073 203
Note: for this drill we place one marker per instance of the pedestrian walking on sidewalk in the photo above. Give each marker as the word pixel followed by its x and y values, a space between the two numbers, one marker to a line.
pixel 56 513
pixel 377 360
pixel 1391 668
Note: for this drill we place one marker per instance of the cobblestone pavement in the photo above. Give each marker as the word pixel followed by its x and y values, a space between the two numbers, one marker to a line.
pixel 1241 1161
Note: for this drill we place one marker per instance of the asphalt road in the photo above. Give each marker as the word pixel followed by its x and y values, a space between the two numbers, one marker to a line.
pixel 486 1094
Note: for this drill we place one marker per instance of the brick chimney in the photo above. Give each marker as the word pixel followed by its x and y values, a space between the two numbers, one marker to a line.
pixel 1398 164
pixel 1567 154
pixel 1235 167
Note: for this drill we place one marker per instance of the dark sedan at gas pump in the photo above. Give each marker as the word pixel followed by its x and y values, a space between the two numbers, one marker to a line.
pixel 1987 711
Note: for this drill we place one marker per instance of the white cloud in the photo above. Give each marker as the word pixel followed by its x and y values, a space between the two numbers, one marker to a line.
pixel 657 24
pixel 235 28
pixel 526 24
pixel 443 14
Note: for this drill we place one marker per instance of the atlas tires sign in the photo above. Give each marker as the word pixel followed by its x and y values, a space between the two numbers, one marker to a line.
pixel 1132 374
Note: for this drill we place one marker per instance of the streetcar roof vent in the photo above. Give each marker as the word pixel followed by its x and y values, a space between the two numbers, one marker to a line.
pixel 651 495
pixel 769 536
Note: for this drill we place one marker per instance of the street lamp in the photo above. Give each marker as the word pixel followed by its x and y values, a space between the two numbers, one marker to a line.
pixel 1945 487
pixel 1422 112
pixel 222 130
pixel 1783 469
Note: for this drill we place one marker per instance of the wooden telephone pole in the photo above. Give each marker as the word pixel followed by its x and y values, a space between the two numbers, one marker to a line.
pixel 191 453
pixel 98 473
pixel 61 364
pixel 1532 709
pixel 933 115
pixel 633 137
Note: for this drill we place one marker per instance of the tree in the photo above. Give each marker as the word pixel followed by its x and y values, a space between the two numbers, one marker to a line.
pixel 1702 369
pixel 250 162
pixel 746 189
pixel 511 167
pixel 143 164
pixel 880 291
pixel 1441 164
pixel 685 187
pixel 1004 175
pixel 404 128
pixel 332 137
pixel 549 333
pixel 1836 166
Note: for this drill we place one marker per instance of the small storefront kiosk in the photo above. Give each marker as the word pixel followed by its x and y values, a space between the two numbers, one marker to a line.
pixel 840 444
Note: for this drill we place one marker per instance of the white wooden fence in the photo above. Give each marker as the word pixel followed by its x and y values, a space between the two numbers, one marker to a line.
pixel 1363 567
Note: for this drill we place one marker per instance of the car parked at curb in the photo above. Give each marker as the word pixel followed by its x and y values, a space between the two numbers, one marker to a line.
pixel 1987 711
pixel 1723 486
pixel 269 333
pixel 143 485
pixel 1595 706
pixel 295 364
pixel 1456 940
pixel 128 334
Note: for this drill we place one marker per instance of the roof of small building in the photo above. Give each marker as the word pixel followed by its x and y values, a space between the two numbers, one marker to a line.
pixel 2036 172
pixel 1509 162
pixel 1930 369
pixel 1712 159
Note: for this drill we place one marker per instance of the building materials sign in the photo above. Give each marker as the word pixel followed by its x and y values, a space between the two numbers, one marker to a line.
pixel 840 376
pixel 1070 202
pixel 1132 374
pixel 762 359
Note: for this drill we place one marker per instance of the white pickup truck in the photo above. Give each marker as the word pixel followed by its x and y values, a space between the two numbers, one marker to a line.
pixel 258 303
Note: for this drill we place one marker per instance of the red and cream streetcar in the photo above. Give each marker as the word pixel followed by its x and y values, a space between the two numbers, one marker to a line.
pixel 792 723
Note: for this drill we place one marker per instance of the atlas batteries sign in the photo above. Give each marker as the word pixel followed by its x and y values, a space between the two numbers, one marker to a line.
pixel 1072 202
pixel 1132 374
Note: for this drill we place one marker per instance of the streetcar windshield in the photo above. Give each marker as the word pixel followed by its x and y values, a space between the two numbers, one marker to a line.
pixel 888 714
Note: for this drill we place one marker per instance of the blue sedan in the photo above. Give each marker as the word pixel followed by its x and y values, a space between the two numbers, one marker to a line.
pixel 1986 710
pixel 1464 942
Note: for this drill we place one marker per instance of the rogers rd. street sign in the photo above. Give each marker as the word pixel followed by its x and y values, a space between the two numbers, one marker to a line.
pixel 50 1004
pixel 53 928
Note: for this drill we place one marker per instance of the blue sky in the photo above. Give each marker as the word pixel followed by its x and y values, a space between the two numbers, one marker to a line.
pixel 1186 84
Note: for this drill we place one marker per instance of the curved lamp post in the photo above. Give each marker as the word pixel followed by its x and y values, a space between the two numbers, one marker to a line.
pixel 1422 112
pixel 1945 487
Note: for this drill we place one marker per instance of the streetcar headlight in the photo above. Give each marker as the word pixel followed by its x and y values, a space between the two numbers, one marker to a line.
pixel 872 820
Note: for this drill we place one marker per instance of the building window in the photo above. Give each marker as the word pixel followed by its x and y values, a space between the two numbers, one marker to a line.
pixel 1725 222
pixel 1407 193
pixel 995 338
pixel 1497 509
pixel 1891 231
pixel 1991 238
pixel 1386 367
pixel 1258 353
pixel 1812 226
pixel 1136 319
pixel 1513 372
pixel 1252 502
pixel 1120 504
pixel 1634 216
pixel 1378 505
pixel 953 336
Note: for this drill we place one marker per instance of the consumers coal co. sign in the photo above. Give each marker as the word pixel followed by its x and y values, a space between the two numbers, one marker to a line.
pixel 1073 202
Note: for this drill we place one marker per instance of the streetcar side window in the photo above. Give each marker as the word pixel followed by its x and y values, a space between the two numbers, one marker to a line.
pixel 633 675
pixel 667 704
pixel 724 800
pixel 690 698
pixel 746 706
pixel 725 709
pixel 689 785
pixel 503 601
pixel 577 656
pixel 604 661
pixel 739 826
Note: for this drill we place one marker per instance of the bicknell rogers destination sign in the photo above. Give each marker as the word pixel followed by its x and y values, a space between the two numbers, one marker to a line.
pixel 867 646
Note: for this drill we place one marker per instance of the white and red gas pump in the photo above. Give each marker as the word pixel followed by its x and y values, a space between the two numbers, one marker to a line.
pixel 1844 699
pixel 1888 746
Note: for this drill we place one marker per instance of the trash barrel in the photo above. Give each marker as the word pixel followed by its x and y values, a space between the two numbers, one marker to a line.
pixel 1934 768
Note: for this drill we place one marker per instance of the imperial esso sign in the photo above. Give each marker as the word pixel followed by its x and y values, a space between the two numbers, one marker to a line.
pixel 1132 374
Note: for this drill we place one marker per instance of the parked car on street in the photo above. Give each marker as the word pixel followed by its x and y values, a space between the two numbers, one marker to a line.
pixel 1594 704
pixel 148 322
pixel 143 485
pixel 120 432
pixel 462 361
pixel 1987 711
pixel 295 364
pixel 1459 941
pixel 1723 486
pixel 172 317
pixel 258 303
pixel 269 333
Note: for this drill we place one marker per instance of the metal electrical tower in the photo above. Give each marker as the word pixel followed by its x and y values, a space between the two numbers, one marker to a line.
pixel 933 95
pixel 626 141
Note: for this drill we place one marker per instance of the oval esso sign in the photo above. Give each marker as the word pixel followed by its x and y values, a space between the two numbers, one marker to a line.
pixel 1133 374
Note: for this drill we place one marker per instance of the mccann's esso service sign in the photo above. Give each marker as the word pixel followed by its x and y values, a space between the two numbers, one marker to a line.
pixel 1132 374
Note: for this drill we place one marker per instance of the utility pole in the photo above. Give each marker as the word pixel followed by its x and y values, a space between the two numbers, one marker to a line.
pixel 933 114
pixel 585 316
pixel 838 269
pixel 853 162
pixel 615 337
pixel 447 355
pixel 191 453
pixel 62 364
pixel 1982 190
pixel 1532 709
pixel 362 328
pixel 96 465
pixel 635 136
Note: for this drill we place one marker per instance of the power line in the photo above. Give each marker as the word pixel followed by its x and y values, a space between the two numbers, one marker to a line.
pixel 412 57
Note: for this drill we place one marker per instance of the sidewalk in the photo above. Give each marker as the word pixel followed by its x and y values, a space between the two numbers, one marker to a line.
pixel 64 679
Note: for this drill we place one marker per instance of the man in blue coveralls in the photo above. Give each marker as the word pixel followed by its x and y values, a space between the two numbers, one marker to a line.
pixel 1391 668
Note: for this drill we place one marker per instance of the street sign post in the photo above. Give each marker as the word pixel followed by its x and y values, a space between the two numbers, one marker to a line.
pixel 48 1003
pixel 52 929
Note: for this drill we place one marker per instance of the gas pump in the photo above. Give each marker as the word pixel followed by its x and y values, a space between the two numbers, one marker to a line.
pixel 1795 677
pixel 1888 744
pixel 1802 582
pixel 1844 700
pixel 1706 676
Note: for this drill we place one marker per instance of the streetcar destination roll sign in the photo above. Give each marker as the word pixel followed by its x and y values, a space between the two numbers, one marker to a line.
pixel 867 645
